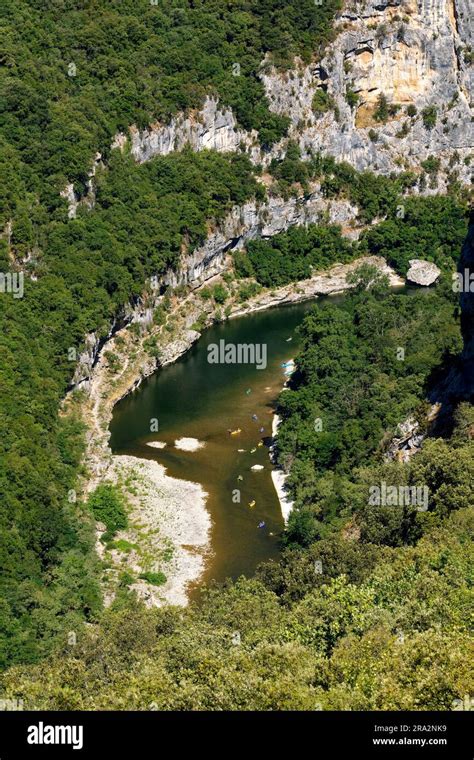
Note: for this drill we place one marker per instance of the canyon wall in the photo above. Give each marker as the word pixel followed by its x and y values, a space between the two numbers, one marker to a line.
pixel 417 54
pixel 260 220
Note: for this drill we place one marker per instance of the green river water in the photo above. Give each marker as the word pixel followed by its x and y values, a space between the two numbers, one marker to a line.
pixel 197 399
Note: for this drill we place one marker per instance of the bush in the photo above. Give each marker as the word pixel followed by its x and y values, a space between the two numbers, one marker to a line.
pixel 219 293
pixel 205 293
pixel 156 579
pixel 107 506
pixel 248 290
pixel 381 112
pixel 113 361
pixel 429 116
pixel 322 102
pixel 351 97
pixel 431 165
pixel 291 169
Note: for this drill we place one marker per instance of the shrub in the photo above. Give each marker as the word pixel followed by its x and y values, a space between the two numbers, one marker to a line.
pixel 156 579
pixel 248 290
pixel 107 506
pixel 429 116
pixel 322 102
pixel 205 293
pixel 381 112
pixel 431 165
pixel 219 293
pixel 351 97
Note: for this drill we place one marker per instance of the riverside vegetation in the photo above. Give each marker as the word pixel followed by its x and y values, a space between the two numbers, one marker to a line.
pixel 385 625
pixel 395 583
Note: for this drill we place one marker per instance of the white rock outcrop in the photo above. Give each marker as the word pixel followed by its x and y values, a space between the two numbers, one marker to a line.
pixel 264 220
pixel 72 201
pixel 422 272
pixel 211 128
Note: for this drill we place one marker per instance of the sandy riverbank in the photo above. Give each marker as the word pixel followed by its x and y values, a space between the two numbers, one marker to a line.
pixel 279 478
pixel 169 530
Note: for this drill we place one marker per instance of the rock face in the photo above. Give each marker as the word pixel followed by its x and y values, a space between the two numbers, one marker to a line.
pixel 211 128
pixel 415 54
pixel 88 199
pixel 422 272
pixel 458 384
pixel 408 438
pixel 86 360
pixel 406 442
pixel 411 53
pixel 140 313
pixel 72 201
pixel 464 386
pixel 259 220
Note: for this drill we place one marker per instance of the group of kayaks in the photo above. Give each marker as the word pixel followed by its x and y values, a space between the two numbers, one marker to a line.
pixel 288 368
pixel 238 430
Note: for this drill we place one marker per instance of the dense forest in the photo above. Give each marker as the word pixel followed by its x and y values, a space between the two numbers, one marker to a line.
pixel 369 607
pixel 353 377
pixel 75 73
pixel 385 624
pixel 72 75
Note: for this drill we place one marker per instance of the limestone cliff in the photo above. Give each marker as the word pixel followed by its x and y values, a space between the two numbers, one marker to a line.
pixel 260 220
pixel 415 55
pixel 466 268
pixel 212 128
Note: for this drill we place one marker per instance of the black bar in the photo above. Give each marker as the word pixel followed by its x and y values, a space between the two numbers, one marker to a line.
pixel 156 734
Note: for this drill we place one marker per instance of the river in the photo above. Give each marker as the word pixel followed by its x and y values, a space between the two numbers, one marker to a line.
pixel 198 399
